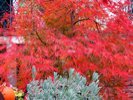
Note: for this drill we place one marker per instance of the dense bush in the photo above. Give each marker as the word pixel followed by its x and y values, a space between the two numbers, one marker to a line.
pixel 90 35
pixel 61 88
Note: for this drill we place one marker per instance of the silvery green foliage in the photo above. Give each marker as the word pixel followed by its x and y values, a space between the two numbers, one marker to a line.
pixel 72 88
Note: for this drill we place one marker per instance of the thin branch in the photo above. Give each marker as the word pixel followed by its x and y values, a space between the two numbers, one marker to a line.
pixel 44 43
pixel 84 19
pixel 98 30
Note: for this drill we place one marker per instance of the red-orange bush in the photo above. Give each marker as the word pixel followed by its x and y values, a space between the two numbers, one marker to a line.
pixel 71 33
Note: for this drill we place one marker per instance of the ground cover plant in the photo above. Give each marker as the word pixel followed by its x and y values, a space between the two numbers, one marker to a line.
pixel 88 35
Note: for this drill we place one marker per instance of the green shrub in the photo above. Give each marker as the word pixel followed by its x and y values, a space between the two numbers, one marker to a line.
pixel 72 88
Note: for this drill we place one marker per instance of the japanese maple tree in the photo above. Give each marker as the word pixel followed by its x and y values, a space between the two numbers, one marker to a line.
pixel 88 35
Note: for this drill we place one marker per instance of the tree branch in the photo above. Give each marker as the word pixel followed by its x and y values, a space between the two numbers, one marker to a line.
pixel 98 30
pixel 81 20
pixel 84 19
pixel 44 43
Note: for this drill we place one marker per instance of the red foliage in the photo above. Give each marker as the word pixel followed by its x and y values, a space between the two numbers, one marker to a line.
pixel 80 34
